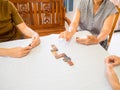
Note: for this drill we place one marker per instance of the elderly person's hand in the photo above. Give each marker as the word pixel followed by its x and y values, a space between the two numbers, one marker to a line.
pixel 113 60
pixel 35 40
pixel 110 62
pixel 66 35
pixel 18 52
pixel 87 41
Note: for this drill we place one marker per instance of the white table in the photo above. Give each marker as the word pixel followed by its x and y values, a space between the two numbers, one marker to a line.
pixel 41 71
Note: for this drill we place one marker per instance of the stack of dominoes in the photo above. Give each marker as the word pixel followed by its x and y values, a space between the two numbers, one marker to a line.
pixel 57 56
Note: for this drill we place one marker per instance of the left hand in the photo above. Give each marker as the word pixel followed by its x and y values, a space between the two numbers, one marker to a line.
pixel 113 60
pixel 87 41
pixel 35 40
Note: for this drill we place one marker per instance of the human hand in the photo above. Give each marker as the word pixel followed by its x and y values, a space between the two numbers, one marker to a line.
pixel 87 41
pixel 18 52
pixel 66 35
pixel 35 40
pixel 113 60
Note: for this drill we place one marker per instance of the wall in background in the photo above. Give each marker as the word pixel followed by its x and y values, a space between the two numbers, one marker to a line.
pixel 69 5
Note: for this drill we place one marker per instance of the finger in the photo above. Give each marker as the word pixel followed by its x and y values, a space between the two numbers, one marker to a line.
pixel 25 54
pixel 77 38
pixel 35 38
pixel 26 51
pixel 109 59
pixel 35 42
pixel 27 48
pixel 61 35
pixel 115 64
pixel 67 35
pixel 89 37
pixel 81 42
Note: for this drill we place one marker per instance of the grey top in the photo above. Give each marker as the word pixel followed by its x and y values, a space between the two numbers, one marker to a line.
pixel 91 22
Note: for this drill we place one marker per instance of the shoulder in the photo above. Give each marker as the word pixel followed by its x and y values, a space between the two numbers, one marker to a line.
pixel 109 4
pixel 10 4
pixel 83 3
pixel 110 7
pixel 7 5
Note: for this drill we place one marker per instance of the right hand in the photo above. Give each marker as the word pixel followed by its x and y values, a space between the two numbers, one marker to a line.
pixel 66 35
pixel 35 40
pixel 18 52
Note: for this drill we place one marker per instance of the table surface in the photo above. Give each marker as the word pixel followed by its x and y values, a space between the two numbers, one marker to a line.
pixel 40 70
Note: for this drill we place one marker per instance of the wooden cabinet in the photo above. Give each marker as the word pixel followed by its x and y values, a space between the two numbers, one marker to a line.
pixel 43 16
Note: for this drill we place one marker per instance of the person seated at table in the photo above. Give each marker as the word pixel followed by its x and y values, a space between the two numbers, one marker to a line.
pixel 112 61
pixel 95 16
pixel 12 27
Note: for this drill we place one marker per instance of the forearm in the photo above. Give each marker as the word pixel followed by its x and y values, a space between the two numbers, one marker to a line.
pixel 26 30
pixel 4 52
pixel 75 22
pixel 103 35
pixel 107 27
pixel 113 79
pixel 115 84
pixel 73 27
pixel 116 87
